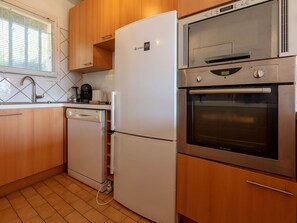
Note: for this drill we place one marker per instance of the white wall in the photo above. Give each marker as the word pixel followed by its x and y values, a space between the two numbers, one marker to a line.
pixel 57 89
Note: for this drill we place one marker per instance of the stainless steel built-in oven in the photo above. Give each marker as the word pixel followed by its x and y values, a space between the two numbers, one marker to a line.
pixel 242 114
pixel 243 30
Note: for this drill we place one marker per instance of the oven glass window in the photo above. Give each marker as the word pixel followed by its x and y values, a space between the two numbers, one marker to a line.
pixel 238 122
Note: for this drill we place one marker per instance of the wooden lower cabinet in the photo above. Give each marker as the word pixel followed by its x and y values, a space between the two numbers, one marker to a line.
pixel 210 192
pixel 31 141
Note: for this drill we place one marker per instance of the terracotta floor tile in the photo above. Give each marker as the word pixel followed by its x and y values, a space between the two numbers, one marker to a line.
pixel 59 189
pixel 56 218
pixel 62 199
pixel 116 205
pixel 144 220
pixel 17 220
pixel 7 215
pixel 35 219
pixel 45 211
pixel 26 213
pixel 98 207
pixel 95 217
pixel 14 195
pixel 73 188
pixel 63 208
pixel 53 198
pixel 75 217
pixel 36 201
pixel 129 220
pixel 85 195
pixel 114 214
pixel 19 202
pixel 130 214
pixel 81 206
pixel 29 192
pixel 4 203
pixel 50 182
pixel 69 197
pixel 44 190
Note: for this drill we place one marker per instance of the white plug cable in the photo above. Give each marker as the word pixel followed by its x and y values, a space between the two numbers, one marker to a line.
pixel 108 184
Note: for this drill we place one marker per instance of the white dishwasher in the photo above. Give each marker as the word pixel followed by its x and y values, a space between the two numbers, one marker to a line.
pixel 86 136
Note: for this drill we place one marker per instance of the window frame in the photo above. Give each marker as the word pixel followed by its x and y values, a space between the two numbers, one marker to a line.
pixel 31 12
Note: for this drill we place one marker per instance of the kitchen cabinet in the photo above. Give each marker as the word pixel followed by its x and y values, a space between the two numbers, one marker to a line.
pixel 83 56
pixel 106 21
pixel 188 7
pixel 153 7
pixel 129 11
pixel 212 192
pixel 31 141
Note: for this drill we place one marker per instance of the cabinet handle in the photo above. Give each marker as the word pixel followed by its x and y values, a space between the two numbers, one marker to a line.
pixel 107 36
pixel 86 64
pixel 270 188
pixel 13 114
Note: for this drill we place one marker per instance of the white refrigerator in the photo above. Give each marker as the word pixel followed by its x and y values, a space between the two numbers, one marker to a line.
pixel 145 117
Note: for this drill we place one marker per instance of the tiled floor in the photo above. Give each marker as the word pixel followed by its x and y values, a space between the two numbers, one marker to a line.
pixel 62 199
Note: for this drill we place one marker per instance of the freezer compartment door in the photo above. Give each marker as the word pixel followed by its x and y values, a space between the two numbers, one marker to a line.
pixel 145 176
pixel 145 77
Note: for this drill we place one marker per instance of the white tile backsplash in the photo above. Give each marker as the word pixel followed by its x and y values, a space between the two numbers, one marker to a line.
pixel 53 89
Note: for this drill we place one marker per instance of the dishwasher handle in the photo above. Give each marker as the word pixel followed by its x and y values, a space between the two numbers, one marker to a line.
pixel 84 117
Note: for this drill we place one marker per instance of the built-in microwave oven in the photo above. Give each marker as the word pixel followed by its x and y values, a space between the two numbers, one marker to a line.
pixel 244 30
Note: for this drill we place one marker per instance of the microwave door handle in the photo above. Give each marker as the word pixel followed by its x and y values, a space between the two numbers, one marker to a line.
pixel 225 58
pixel 232 91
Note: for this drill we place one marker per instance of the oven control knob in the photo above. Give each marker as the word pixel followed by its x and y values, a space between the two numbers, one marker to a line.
pixel 258 73
pixel 199 78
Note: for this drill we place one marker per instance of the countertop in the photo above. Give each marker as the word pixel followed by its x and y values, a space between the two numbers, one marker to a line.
pixel 21 105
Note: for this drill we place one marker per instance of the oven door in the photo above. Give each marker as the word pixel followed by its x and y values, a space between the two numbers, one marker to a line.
pixel 250 126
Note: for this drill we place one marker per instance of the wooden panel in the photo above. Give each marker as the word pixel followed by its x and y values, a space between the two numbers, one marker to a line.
pixel 106 14
pixel 188 7
pixel 211 192
pixel 74 36
pixel 129 11
pixel 48 138
pixel 153 7
pixel 31 141
pixel 15 145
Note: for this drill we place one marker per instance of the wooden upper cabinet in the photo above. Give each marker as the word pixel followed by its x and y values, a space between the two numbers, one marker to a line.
pixel 153 7
pixel 106 19
pixel 83 55
pixel 81 35
pixel 212 192
pixel 129 11
pixel 188 7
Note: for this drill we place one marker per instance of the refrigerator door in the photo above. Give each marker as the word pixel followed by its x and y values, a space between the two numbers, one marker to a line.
pixel 144 176
pixel 145 77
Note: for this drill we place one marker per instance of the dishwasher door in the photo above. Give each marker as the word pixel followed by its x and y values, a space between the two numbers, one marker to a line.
pixel 86 134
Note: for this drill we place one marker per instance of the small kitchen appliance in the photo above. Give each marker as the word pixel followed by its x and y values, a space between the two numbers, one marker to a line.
pixel 86 93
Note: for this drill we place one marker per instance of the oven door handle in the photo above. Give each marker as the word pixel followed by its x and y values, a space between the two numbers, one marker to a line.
pixel 232 91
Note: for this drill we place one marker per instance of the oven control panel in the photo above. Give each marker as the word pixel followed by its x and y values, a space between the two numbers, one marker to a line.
pixel 281 70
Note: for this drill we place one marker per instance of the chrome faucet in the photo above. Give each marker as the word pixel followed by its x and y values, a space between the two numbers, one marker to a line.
pixel 34 96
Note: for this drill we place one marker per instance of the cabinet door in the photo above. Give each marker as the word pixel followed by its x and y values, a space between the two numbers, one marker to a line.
pixel 106 19
pixel 211 192
pixel 153 7
pixel 48 141
pixel 81 35
pixel 188 7
pixel 16 135
pixel 129 11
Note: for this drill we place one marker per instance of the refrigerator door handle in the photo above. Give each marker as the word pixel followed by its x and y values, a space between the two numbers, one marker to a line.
pixel 112 154
pixel 113 98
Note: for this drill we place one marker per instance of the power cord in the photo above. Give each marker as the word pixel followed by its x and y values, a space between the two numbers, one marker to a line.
pixel 108 189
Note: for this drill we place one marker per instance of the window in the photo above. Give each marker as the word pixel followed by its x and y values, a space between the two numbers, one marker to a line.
pixel 26 42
